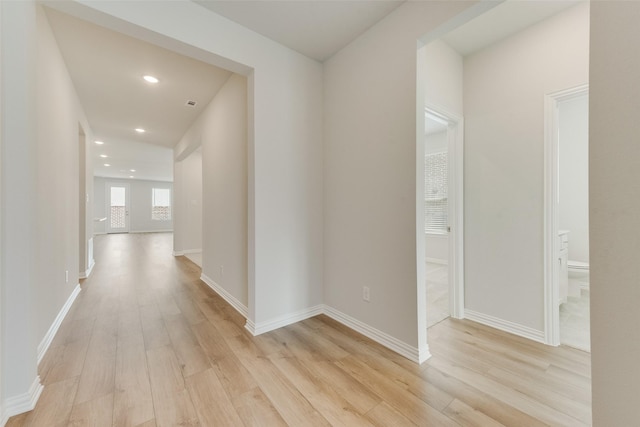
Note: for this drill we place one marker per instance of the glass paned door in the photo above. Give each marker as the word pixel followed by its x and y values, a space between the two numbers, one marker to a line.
pixel 118 208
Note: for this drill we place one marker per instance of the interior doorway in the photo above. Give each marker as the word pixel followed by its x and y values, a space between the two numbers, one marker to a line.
pixel 573 169
pixel 442 228
pixel 436 219
pixel 117 207
pixel 84 248
pixel 188 223
pixel 566 218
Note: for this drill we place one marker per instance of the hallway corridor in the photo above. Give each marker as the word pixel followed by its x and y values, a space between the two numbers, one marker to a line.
pixel 148 344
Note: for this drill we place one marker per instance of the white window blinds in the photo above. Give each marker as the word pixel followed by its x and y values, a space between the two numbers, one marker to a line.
pixel 435 193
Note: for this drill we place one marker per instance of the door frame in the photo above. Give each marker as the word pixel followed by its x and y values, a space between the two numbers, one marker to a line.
pixel 455 204
pixel 552 209
pixel 107 204
pixel 455 160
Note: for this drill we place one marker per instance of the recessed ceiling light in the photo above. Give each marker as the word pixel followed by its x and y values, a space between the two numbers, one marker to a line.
pixel 104 156
pixel 107 164
pixel 130 176
pixel 132 170
pixel 99 142
pixel 140 130
pixel 150 79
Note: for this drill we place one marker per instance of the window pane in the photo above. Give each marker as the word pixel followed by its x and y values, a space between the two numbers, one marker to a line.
pixel 161 204
pixel 118 208
pixel 436 193
pixel 161 197
pixel 117 196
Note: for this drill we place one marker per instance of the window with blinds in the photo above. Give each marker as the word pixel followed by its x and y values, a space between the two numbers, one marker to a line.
pixel 435 193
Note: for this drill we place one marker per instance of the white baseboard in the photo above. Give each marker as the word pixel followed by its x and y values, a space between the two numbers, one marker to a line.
pixel 53 329
pixel 187 252
pixel 86 274
pixel 424 354
pixel 437 261
pixel 505 325
pixel 281 321
pixel 22 403
pixel 392 343
pixel 191 251
pixel 99 233
pixel 412 353
pixel 250 326
pixel 578 266
pixel 233 301
pixel 150 231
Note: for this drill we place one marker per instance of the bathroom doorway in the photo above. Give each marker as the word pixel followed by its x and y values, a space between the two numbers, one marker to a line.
pixel 436 219
pixel 567 231
pixel 442 226
pixel 573 115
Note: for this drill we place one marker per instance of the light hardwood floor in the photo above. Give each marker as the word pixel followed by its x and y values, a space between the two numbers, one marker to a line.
pixel 148 344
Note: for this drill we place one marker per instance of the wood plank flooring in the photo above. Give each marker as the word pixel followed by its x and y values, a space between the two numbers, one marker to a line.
pixel 148 344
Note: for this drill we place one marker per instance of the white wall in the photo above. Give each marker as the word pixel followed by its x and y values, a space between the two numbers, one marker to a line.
pixel 2 280
pixel 187 205
pixel 1 224
pixel 614 199
pixel 443 77
pixel 99 207
pixel 574 175
pixel 140 201
pixel 85 196
pixel 371 185
pixel 222 131
pixel 40 210
pixel 504 90
pixel 224 154
pixel 59 115
pixel 19 51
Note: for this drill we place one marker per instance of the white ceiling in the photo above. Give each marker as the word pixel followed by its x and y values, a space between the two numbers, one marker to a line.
pixel 107 68
pixel 501 22
pixel 149 161
pixel 315 28
pixel 320 28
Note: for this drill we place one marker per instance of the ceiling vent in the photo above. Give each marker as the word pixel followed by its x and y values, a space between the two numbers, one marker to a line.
pixel 191 103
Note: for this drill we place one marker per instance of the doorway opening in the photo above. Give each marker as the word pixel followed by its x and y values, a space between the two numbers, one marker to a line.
pixel 441 279
pixel 188 224
pixel 566 218
pixel 436 213
pixel 85 232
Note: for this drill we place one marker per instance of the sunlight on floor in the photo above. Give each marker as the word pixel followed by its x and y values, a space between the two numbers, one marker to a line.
pixel 437 293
